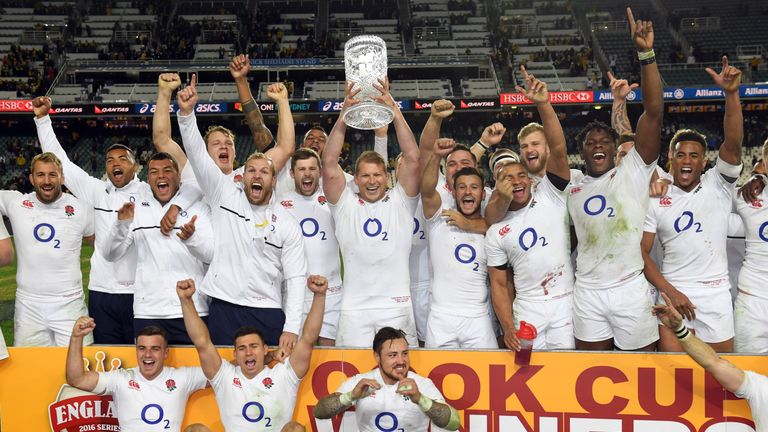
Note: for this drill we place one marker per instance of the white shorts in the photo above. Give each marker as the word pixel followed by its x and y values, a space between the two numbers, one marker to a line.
pixel 3 346
pixel 39 323
pixel 553 320
pixel 330 315
pixel 751 319
pixel 714 314
pixel 452 331
pixel 357 328
pixel 420 296
pixel 622 313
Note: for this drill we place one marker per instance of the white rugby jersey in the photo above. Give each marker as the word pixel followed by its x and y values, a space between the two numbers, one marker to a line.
pixel 375 240
pixel 754 271
pixel 459 270
pixel 535 242
pixel 162 260
pixel 608 214
pixel 105 199
pixel 316 223
pixel 420 268
pixel 692 228
pixel 387 410
pixel 263 250
pixel 3 231
pixel 150 406
pixel 48 239
pixel 262 403
pixel 755 390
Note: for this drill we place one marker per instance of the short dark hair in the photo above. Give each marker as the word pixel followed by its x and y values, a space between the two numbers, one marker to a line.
pixel 164 156
pixel 305 153
pixel 467 171
pixel 247 330
pixel 461 147
pixel 314 127
pixel 384 334
pixel 595 125
pixel 688 135
pixel 153 330
pixel 118 146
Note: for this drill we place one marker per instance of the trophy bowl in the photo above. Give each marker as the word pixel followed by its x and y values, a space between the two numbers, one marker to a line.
pixel 365 62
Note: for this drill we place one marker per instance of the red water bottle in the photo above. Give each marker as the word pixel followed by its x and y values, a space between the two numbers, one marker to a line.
pixel 525 334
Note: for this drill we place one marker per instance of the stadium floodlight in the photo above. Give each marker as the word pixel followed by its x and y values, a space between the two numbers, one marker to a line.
pixel 365 62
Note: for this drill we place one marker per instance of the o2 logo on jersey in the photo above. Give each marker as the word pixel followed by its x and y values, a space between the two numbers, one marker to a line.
pixel 529 237
pixel 253 412
pixel 416 225
pixel 466 254
pixel 387 422
pixel 763 232
pixel 597 204
pixel 314 228
pixel 685 221
pixel 372 228
pixel 153 414
pixel 45 233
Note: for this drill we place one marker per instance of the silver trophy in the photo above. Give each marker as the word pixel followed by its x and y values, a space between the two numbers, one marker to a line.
pixel 365 62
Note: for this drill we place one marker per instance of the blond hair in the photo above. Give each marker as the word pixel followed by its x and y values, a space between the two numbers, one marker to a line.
pixel 529 129
pixel 47 157
pixel 217 128
pixel 260 155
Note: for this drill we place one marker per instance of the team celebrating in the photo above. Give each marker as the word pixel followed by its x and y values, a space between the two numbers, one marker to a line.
pixel 205 254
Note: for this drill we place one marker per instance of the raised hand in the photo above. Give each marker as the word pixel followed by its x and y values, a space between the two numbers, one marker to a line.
pixel 83 326
pixel 407 387
pixel 505 187
pixel 41 106
pixel 185 288
pixel 386 97
pixel 187 230
pixel 317 284
pixel 728 79
pixel 364 388
pixel 535 89
pixel 350 92
pixel 126 211
pixel 443 146
pixel 493 134
pixel 288 342
pixel 168 82
pixel 277 92
pixel 187 98
pixel 169 220
pixel 641 32
pixel 620 88
pixel 442 108
pixel 239 67
pixel 752 189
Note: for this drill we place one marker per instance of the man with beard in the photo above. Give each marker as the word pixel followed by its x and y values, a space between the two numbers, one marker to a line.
pixel 256 245
pixel 691 222
pixel 149 397
pixel 458 310
pixel 250 394
pixel 49 227
pixel 612 299
pixel 533 239
pixel 154 300
pixel 111 284
pixel 374 230
pixel 390 397
pixel 307 203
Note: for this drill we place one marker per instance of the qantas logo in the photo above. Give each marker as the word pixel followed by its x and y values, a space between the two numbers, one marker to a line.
pixel 110 109
pixel 476 104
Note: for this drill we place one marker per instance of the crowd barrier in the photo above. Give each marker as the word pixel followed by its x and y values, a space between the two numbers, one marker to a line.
pixel 558 392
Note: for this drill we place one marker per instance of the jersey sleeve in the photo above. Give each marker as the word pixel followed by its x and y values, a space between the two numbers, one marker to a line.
pixel 410 203
pixel 117 241
pixel 428 389
pixel 754 389
pixel 189 192
pixel 76 179
pixel 194 378
pixel 493 251
pixel 349 384
pixel 546 187
pixel 209 176
pixel 345 200
pixel 226 370
pixel 7 198
pixel 294 263
pixel 723 176
pixel 286 370
pixel 651 218
pixel 634 169
pixel 3 231
pixel 200 245
pixel 107 382
pixel 89 228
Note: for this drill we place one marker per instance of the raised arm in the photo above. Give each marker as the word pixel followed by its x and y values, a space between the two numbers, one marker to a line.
pixel 120 237
pixel 491 137
pixel 729 80
pixel 430 198
pixel 620 88
pixel 725 372
pixel 286 133
pixel 210 360
pixel 239 68
pixel 441 109
pixel 77 376
pixel 536 91
pixel 161 119
pixel 6 245
pixel 210 178
pixel 648 136
pixel 333 176
pixel 302 354
pixel 380 141
pixel 409 173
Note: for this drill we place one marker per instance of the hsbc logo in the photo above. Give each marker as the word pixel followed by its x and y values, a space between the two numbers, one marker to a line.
pixel 514 99
pixel 65 110
pixel 110 109
pixel 15 105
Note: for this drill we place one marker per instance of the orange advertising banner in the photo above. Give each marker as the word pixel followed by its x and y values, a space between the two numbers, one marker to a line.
pixel 558 392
